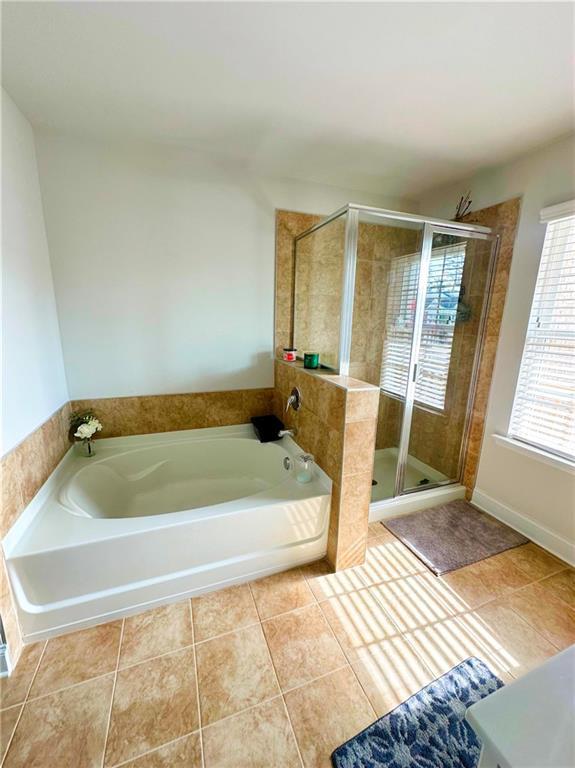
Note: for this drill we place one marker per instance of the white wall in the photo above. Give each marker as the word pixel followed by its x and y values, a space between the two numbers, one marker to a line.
pixel 33 380
pixel 529 493
pixel 163 264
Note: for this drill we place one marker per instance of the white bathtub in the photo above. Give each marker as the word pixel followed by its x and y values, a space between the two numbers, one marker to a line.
pixel 155 518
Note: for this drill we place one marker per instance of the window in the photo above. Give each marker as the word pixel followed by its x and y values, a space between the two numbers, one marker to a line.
pixel 440 314
pixel 544 408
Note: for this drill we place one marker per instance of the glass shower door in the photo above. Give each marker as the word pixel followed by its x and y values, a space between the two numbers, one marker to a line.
pixel 385 294
pixel 453 289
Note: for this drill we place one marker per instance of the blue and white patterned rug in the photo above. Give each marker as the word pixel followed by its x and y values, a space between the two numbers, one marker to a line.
pixel 428 730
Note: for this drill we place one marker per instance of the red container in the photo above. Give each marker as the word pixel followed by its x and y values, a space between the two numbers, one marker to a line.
pixel 289 355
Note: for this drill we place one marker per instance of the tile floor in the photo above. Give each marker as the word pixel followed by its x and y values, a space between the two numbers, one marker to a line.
pixel 278 672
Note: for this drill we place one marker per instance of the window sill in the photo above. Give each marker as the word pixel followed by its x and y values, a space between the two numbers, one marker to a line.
pixel 535 453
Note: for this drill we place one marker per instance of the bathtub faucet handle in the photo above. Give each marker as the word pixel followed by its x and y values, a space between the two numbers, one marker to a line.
pixel 294 400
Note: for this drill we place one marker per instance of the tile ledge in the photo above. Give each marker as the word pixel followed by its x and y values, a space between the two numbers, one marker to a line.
pixel 343 382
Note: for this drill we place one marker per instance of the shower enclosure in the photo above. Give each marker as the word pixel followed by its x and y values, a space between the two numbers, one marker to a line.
pixel 399 301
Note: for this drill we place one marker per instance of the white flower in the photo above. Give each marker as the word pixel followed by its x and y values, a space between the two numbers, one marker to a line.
pixel 87 429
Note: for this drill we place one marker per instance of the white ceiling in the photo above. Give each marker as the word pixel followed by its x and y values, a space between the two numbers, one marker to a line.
pixel 385 97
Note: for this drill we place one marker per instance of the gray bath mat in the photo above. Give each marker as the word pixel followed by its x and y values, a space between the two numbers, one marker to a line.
pixel 453 535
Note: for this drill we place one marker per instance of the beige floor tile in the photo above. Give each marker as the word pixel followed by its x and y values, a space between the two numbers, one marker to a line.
pixel 443 645
pixel 65 729
pixel 327 712
pixel 381 533
pixel 468 586
pixel 223 611
pixel 499 575
pixel 502 628
pixel 234 672
pixel 562 586
pixel 389 673
pixel 358 621
pixel 13 689
pixel 154 703
pixel 375 530
pixel 155 632
pixel 549 615
pixel 534 561
pixel 8 720
pixel 281 592
pixel 324 583
pixel 302 646
pixel 73 658
pixel 183 753
pixel 259 738
pixel 388 559
pixel 418 600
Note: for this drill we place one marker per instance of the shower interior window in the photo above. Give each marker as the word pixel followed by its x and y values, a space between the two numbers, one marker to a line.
pixel 444 305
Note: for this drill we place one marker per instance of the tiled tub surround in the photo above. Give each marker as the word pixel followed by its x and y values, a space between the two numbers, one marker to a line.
pixel 145 414
pixel 23 471
pixel 26 468
pixel 154 518
pixel 336 423
pixel 278 672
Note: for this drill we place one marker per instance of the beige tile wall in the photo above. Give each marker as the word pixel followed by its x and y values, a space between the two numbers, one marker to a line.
pixel 336 423
pixel 166 413
pixel 319 280
pixel 22 472
pixel 288 225
pixel 503 219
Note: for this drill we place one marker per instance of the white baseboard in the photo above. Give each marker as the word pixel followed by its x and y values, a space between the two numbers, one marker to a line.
pixel 547 539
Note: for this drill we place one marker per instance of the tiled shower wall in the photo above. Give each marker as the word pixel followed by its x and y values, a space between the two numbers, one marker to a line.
pixel 435 437
pixel 337 421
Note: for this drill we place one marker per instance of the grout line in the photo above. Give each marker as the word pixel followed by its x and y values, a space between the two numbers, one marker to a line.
pixel 277 678
pixel 35 672
pixel 23 704
pixel 345 665
pixel 156 749
pixel 228 632
pixel 157 656
pixel 196 679
pixel 113 693
pixel 345 656
pixel 242 711
pixel 72 685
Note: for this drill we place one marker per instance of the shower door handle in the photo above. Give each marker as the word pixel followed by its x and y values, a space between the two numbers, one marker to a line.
pixel 415 370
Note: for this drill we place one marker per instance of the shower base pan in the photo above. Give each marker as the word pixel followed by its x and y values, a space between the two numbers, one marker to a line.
pixel 384 505
pixel 152 519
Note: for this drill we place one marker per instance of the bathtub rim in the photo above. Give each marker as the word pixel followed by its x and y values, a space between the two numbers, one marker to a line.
pixel 65 469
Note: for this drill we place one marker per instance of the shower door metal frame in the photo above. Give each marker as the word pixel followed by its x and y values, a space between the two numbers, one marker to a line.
pixel 430 228
pixel 352 212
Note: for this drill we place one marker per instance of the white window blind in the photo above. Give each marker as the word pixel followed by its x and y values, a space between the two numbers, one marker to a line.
pixel 544 406
pixel 440 314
